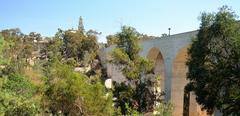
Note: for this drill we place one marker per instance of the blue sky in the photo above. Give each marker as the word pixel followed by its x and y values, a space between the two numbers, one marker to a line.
pixel 152 17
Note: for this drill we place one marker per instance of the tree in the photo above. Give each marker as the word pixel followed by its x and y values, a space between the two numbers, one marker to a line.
pixel 16 91
pixel 12 104
pixel 34 36
pixel 18 50
pixel 214 63
pixel 51 84
pixel 54 48
pixel 71 93
pixel 82 47
pixel 137 92
pixel 111 40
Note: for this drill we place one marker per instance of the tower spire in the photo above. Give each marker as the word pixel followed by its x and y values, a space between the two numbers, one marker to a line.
pixel 80 25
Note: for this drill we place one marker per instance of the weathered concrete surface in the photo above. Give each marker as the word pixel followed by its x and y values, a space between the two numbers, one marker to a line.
pixel 169 55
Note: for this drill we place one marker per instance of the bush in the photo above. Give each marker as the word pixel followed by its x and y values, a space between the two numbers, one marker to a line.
pixel 72 93
pixel 19 84
pixel 12 104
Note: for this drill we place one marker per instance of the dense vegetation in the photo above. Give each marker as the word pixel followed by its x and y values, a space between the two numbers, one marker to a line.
pixel 63 75
pixel 214 63
pixel 38 77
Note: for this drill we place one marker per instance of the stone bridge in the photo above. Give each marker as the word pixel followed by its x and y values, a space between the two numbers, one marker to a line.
pixel 169 55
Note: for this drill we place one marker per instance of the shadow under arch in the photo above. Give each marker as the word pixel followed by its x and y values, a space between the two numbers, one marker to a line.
pixel 156 57
pixel 179 81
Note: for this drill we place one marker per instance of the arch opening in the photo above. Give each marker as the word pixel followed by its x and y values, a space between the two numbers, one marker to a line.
pixel 156 57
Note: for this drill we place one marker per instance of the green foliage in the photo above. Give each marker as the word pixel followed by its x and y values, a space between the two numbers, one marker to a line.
pixel 79 49
pixel 16 96
pixel 126 54
pixel 53 50
pixel 3 45
pixel 128 41
pixel 120 57
pixel 17 51
pixel 72 93
pixel 12 104
pixel 124 94
pixel 49 86
pixel 19 85
pixel 80 46
pixel 22 90
pixel 17 93
pixel 214 63
pixel 97 102
pixel 164 109
pixel 131 112
pixel 111 40
pixel 137 91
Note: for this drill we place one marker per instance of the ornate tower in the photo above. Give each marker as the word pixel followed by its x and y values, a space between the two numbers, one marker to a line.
pixel 80 25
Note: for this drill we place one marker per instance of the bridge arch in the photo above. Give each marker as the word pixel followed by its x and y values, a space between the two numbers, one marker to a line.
pixel 155 55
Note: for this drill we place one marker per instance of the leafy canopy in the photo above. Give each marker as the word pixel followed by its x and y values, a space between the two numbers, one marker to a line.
pixel 214 62
pixel 137 92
